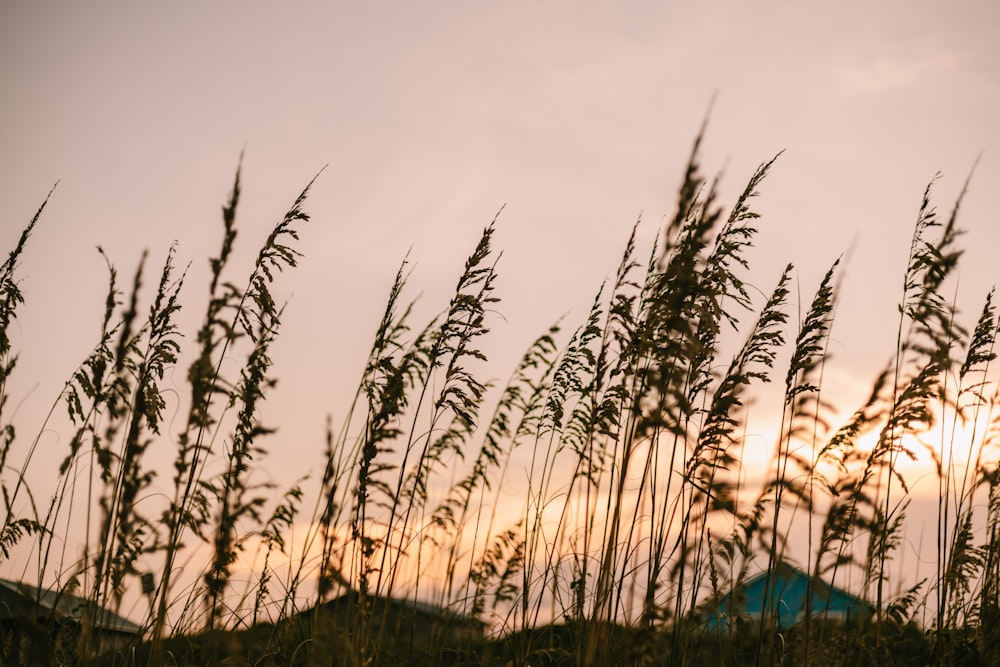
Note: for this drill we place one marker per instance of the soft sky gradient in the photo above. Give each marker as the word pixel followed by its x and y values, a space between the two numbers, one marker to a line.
pixel 578 116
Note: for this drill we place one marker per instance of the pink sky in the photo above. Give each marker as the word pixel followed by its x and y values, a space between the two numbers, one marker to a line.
pixel 431 116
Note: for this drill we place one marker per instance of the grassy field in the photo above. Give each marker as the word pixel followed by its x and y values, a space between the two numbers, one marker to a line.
pixel 623 436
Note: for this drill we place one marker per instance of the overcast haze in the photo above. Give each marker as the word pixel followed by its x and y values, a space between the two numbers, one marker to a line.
pixel 431 116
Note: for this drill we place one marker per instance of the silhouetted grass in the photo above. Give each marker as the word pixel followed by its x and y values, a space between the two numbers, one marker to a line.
pixel 638 516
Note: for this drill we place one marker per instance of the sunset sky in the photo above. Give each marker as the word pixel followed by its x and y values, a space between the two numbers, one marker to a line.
pixel 429 117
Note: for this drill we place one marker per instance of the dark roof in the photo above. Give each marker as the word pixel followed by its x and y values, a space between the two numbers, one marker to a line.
pixel 18 598
pixel 407 604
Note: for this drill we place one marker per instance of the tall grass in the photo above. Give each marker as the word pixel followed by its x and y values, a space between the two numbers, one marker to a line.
pixel 638 512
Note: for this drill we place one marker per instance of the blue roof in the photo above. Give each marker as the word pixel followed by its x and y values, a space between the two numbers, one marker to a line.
pixel 787 600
